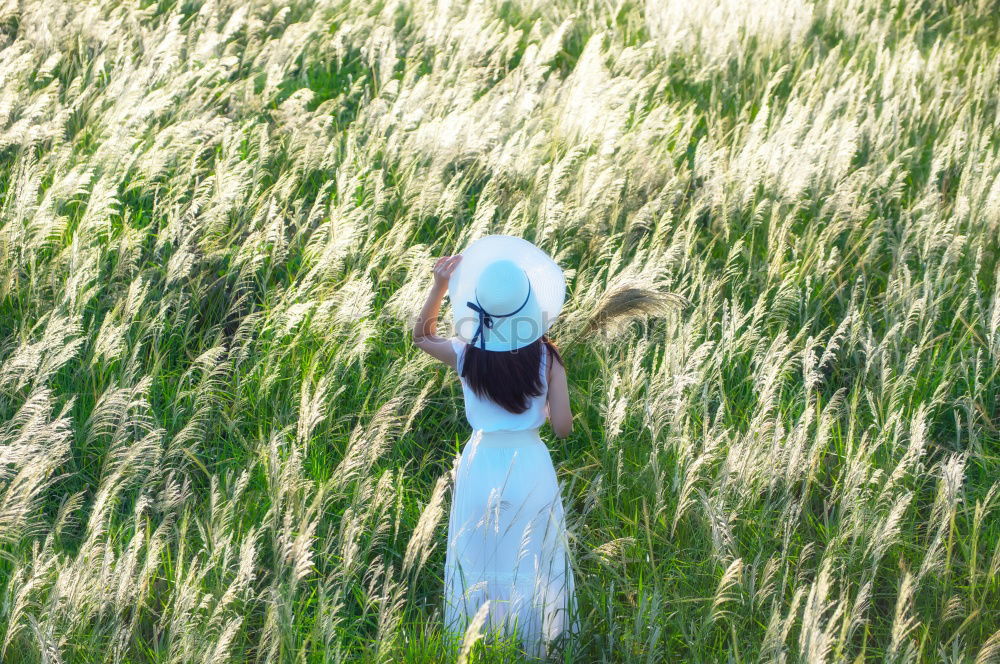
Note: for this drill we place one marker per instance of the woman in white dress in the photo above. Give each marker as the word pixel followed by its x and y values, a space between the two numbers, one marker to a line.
pixel 507 551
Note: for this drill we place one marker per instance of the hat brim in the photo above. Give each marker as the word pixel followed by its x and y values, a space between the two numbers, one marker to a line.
pixel 548 292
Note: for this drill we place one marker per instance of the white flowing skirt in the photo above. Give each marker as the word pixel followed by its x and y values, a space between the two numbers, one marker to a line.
pixel 507 543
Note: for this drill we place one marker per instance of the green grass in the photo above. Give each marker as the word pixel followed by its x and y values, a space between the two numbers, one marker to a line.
pixel 799 463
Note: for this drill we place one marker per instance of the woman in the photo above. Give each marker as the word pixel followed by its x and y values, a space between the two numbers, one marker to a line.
pixel 507 550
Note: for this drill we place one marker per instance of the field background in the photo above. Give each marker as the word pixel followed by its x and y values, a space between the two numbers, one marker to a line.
pixel 779 222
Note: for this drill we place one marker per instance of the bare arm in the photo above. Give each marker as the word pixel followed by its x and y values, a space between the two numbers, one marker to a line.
pixel 560 416
pixel 425 327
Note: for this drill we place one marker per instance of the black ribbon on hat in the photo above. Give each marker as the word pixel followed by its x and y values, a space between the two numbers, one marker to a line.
pixel 486 318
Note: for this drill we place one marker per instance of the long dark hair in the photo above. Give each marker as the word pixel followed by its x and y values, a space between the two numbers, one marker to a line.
pixel 510 378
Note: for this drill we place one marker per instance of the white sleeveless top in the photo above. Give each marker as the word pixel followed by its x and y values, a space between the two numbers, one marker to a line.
pixel 487 415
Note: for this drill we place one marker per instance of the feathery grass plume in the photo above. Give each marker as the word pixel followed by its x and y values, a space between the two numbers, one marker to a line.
pixel 609 551
pixel 712 33
pixel 909 462
pixel 856 615
pixel 886 534
pixel 34 446
pixel 726 592
pixel 902 648
pixel 421 543
pixel 689 478
pixel 982 508
pixel 680 368
pixel 952 609
pixel 994 326
pixel 626 300
pixel 33 363
pixel 713 510
pixel 311 406
pixel 990 652
pixel 819 625
pixel 614 410
pixel 474 632
pixel 943 513
pixel 764 588
pixel 390 616
pixel 778 627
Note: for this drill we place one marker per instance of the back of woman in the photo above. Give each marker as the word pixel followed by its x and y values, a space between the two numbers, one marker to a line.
pixel 507 554
pixel 486 414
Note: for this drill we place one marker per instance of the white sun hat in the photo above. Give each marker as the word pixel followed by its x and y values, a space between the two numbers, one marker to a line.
pixel 505 293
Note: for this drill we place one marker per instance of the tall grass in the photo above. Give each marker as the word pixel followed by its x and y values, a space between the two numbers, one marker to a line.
pixel 779 222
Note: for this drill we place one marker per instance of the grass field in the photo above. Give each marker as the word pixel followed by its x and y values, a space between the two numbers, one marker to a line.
pixel 780 224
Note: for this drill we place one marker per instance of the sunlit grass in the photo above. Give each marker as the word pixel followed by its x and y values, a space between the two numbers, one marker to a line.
pixel 779 223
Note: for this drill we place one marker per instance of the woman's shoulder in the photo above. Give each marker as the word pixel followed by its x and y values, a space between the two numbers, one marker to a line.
pixel 552 362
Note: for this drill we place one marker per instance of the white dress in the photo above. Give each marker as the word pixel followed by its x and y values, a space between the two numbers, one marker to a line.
pixel 507 530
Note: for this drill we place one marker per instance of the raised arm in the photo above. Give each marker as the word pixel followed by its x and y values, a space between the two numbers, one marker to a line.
pixel 425 327
pixel 560 416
